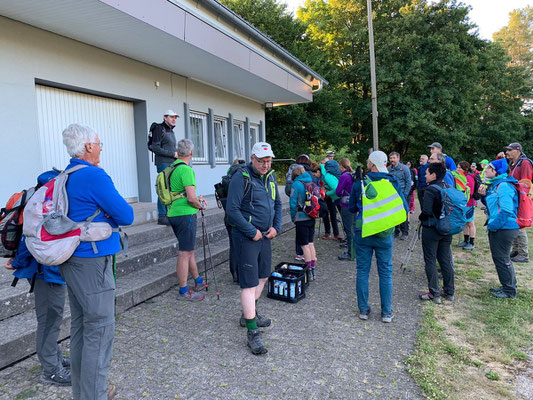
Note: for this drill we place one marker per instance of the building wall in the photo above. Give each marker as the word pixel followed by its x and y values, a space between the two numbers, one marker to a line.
pixel 30 54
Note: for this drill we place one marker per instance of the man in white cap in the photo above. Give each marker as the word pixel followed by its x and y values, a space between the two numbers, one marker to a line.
pixel 379 205
pixel 255 216
pixel 163 145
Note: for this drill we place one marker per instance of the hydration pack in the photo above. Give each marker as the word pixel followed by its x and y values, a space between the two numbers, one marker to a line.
pixel 162 186
pixel 314 205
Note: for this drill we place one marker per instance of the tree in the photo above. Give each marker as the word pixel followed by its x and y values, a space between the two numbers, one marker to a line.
pixel 517 37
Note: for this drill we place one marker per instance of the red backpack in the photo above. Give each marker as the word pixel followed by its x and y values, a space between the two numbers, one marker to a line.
pixel 314 205
pixel 11 219
pixel 524 214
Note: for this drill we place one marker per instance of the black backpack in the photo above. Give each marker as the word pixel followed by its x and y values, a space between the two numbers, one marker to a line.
pixel 222 188
pixel 150 137
pixel 477 184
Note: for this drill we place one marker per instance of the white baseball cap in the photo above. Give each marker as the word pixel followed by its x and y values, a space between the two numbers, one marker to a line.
pixel 379 159
pixel 171 113
pixel 262 149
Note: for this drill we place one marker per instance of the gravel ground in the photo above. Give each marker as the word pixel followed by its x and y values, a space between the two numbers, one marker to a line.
pixel 318 348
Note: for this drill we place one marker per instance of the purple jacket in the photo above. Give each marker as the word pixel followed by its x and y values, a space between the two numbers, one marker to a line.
pixel 344 188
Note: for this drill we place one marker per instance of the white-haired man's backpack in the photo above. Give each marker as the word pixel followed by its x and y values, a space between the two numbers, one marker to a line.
pixel 51 236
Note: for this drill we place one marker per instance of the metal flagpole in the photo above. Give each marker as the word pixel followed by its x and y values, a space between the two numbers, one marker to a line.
pixel 373 77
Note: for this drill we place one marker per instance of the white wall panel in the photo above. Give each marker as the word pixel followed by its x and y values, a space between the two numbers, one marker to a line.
pixel 113 121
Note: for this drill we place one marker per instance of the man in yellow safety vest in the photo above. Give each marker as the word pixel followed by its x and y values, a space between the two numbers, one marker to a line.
pixel 379 205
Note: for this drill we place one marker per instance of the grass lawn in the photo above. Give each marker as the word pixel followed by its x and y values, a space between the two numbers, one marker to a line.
pixel 472 348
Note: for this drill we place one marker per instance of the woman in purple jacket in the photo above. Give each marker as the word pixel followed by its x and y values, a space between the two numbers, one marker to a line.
pixel 343 191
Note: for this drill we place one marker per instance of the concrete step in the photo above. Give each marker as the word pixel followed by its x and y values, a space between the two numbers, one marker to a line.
pixel 141 284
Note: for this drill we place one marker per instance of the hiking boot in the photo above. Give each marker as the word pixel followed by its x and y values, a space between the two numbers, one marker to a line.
pixel 404 236
pixel 163 221
pixel 469 247
pixel 262 322
pixel 502 295
pixel 326 236
pixel 387 318
pixel 449 297
pixel 343 245
pixel 344 257
pixel 462 244
pixel 299 258
pixel 313 274
pixel 513 254
pixel 429 296
pixel 496 289
pixel 60 378
pixel 364 315
pixel 111 391
pixel 191 296
pixel 65 362
pixel 200 287
pixel 520 259
pixel 255 342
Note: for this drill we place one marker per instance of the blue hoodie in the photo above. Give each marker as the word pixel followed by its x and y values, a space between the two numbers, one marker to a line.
pixel 502 203
pixel 298 197
pixel 356 201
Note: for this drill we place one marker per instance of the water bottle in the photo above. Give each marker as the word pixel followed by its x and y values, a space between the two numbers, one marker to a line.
pixel 276 287
pixel 293 290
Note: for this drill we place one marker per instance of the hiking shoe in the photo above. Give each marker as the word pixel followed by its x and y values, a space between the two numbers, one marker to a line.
pixel 404 236
pixel 343 245
pixel 111 391
pixel 326 236
pixel 313 274
pixel 262 322
pixel 163 221
pixel 255 342
pixel 201 286
pixel 449 297
pixel 191 296
pixel 429 296
pixel 364 315
pixel 462 244
pixel 299 258
pixel 387 318
pixel 496 289
pixel 60 378
pixel 501 294
pixel 520 259
pixel 513 254
pixel 65 362
pixel 344 257
pixel 469 247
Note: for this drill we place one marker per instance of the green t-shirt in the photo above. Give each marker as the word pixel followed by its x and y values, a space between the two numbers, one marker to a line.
pixel 181 177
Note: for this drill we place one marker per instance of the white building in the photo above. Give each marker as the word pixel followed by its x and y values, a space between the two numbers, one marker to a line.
pixel 117 65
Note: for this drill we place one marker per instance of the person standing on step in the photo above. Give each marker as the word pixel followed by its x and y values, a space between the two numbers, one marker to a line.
pixel 164 148
pixel 89 273
pixel 502 208
pixel 434 245
pixel 256 218
pixel 49 296
pixel 403 175
pixel 182 216
pixel 381 195
pixel 521 168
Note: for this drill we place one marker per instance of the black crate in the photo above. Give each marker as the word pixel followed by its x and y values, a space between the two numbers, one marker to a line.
pixel 290 287
pixel 304 267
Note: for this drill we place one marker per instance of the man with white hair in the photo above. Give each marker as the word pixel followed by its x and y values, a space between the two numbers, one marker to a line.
pixel 182 215
pixel 164 147
pixel 89 272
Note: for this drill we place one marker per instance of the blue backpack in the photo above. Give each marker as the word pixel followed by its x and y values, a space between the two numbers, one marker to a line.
pixel 454 213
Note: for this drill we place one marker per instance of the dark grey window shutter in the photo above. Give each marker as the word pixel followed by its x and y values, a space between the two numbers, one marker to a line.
pixel 231 156
pixel 247 138
pixel 187 121
pixel 211 138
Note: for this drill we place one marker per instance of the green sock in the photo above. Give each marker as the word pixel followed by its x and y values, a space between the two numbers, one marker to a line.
pixel 251 324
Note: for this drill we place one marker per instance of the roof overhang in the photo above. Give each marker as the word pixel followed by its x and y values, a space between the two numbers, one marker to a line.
pixel 171 36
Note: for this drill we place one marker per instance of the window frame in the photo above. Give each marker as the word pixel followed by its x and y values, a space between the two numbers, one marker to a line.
pixel 224 132
pixel 240 134
pixel 203 118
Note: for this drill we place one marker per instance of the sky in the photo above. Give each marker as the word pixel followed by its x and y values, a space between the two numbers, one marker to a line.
pixel 489 15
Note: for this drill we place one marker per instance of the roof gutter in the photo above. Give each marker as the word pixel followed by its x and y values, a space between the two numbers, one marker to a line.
pixel 263 39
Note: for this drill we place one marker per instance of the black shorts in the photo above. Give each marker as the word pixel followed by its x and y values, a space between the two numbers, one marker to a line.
pixel 184 228
pixel 254 259
pixel 305 232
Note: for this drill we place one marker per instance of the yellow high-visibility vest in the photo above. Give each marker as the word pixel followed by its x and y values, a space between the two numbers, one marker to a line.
pixel 384 211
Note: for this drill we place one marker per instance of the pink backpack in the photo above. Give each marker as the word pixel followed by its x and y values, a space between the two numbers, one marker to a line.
pixel 51 236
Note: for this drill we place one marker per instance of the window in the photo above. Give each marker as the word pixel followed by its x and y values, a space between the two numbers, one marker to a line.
pixel 238 140
pixel 254 135
pixel 221 139
pixel 199 136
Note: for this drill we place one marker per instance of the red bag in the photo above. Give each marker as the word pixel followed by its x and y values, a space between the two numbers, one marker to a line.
pixel 11 219
pixel 314 206
pixel 524 215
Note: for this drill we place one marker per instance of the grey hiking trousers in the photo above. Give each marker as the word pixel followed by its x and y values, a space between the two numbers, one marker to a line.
pixel 91 291
pixel 49 305
pixel 520 244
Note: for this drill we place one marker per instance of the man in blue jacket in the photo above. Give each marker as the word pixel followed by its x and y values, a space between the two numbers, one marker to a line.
pixel 421 183
pixel 89 274
pixel 403 175
pixel 255 216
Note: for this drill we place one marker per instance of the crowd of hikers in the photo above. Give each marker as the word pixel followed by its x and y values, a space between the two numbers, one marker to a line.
pixel 71 232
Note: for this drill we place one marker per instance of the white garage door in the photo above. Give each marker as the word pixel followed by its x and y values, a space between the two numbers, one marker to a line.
pixel 112 120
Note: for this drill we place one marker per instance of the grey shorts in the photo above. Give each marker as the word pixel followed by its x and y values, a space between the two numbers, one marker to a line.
pixel 184 228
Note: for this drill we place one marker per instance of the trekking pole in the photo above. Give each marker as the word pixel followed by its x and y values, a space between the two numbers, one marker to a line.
pixel 211 266
pixel 410 250
pixel 204 235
